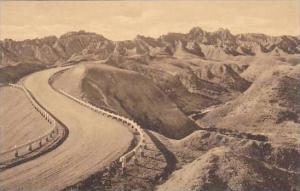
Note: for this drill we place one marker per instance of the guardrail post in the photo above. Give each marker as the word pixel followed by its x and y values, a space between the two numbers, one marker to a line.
pixel 30 147
pixel 16 153
pixel 123 165
pixel 135 160
pixel 144 146
pixel 142 154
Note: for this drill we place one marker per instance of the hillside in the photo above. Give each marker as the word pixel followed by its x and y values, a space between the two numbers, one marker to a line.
pixel 193 84
pixel 222 169
pixel 268 106
pixel 130 94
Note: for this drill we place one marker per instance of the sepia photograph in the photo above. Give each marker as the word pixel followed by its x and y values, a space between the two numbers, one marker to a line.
pixel 149 95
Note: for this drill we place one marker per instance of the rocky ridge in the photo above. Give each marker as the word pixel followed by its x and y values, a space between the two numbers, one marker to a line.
pixel 197 43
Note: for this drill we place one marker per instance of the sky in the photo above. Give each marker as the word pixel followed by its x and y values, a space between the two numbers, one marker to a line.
pixel 123 20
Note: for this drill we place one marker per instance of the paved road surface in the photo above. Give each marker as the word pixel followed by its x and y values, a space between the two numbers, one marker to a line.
pixel 94 141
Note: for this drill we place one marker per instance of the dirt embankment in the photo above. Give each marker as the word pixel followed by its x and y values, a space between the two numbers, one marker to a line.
pixel 18 119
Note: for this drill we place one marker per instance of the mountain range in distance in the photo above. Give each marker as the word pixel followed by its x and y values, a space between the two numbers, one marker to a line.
pixel 197 43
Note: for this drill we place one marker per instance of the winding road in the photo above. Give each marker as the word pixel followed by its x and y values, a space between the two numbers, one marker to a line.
pixel 93 142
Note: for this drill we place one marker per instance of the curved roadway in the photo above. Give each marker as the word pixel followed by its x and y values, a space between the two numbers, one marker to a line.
pixel 93 142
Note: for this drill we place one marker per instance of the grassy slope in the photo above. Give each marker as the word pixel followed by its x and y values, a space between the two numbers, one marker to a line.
pixel 130 92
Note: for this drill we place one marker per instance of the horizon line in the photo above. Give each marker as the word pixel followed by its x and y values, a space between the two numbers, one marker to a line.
pixel 82 30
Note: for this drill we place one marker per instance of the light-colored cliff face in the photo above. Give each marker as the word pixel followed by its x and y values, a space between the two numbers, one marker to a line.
pixel 217 45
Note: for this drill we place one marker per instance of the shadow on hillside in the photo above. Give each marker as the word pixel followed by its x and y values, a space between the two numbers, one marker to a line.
pixel 169 156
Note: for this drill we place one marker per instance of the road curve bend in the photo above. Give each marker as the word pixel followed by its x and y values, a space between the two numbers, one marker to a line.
pixel 93 142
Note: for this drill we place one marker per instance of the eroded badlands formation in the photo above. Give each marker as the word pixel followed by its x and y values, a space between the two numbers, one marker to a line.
pixel 220 111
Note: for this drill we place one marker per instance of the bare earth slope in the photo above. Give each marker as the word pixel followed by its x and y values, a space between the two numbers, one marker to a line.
pixel 270 106
pixel 221 169
pixel 19 121
pixel 93 142
pixel 210 161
